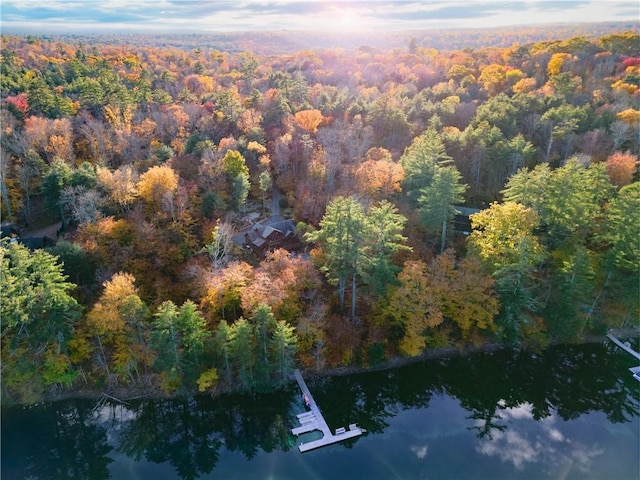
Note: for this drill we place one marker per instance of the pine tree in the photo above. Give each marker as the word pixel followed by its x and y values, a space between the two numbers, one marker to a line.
pixel 342 235
pixel 263 325
pixel 242 351
pixel 386 226
pixel 38 320
pixel 438 199
pixel 285 346
pixel 223 342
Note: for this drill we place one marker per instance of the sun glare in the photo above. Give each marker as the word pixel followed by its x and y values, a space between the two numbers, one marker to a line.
pixel 348 20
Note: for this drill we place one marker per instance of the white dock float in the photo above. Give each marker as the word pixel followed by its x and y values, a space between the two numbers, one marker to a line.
pixel 626 347
pixel 314 420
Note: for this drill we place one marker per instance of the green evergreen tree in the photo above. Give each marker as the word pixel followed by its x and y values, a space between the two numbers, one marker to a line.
pixel 178 339
pixel 438 199
pixel 242 351
pixel 263 326
pixel 284 345
pixel 569 199
pixel 386 226
pixel 166 341
pixel 57 178
pixel 223 342
pixel 420 160
pixel 622 230
pixel 266 184
pixel 42 101
pixel 343 237
pixel 38 320
pixel 193 333
pixel 239 191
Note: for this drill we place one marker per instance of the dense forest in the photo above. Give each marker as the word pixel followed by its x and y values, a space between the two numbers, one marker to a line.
pixel 224 216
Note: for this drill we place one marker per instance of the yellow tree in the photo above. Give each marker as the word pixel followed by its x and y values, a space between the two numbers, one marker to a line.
pixel 413 308
pixel 309 119
pixel 503 240
pixel 524 85
pixel 157 185
pixel 494 78
pixel 503 235
pixel 557 61
pixel 629 116
pixel 466 293
pixel 118 321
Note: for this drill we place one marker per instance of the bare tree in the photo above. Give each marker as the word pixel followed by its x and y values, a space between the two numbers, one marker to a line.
pixel 4 167
pixel 83 204
pixel 221 244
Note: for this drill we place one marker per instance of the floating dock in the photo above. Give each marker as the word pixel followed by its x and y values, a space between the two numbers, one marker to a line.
pixel 313 420
pixel 626 346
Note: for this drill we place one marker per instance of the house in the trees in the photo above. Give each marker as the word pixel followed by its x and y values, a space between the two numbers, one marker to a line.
pixel 33 243
pixel 461 221
pixel 267 236
pixel 9 230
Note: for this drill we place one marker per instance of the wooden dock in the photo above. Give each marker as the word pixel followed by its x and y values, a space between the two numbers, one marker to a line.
pixel 313 420
pixel 625 346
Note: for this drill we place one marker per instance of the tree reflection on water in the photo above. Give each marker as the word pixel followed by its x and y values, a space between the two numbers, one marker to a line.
pixel 73 439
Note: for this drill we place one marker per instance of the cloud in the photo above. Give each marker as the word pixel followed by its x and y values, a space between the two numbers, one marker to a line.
pixel 420 451
pixel 204 15
pixel 452 11
pixel 526 441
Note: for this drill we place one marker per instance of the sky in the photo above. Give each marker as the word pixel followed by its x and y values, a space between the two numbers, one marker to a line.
pixel 182 16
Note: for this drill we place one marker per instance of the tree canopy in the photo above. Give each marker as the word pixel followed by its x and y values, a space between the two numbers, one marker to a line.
pixel 178 175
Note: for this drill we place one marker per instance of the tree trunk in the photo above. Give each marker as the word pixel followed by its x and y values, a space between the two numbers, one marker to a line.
pixel 27 201
pixel 227 367
pixel 548 154
pixel 342 284
pixel 62 216
pixel 5 199
pixel 353 296
pixel 443 239
pixel 104 358
pixel 175 348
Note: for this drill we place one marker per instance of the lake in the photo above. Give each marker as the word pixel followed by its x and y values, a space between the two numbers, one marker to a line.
pixel 570 412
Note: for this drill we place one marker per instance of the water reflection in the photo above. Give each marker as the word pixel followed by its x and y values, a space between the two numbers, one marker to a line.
pixel 502 394
pixel 189 433
pixel 541 442
pixel 61 441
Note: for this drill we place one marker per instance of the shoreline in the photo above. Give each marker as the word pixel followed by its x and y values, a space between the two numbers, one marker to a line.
pixel 129 393
pixel 469 349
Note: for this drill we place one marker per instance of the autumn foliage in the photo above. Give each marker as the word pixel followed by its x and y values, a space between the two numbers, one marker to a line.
pixel 469 194
pixel 622 168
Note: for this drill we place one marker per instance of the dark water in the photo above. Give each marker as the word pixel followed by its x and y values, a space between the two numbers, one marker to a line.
pixel 570 412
